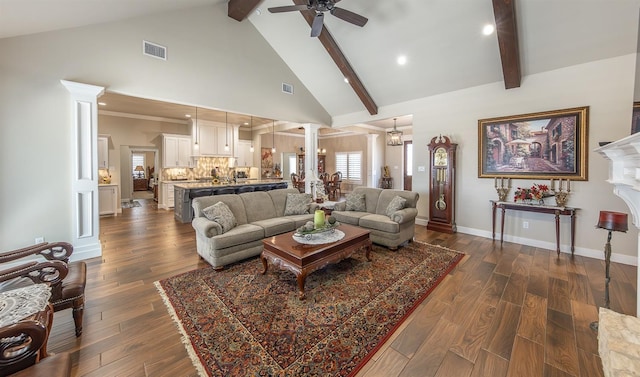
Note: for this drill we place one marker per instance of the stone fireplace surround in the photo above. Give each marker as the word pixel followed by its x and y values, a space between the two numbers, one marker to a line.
pixel 619 334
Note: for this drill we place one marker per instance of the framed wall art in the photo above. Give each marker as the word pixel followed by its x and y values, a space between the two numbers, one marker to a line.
pixel 550 144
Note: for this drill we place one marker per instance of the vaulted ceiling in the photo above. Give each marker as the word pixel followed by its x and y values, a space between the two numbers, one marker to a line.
pixel 441 39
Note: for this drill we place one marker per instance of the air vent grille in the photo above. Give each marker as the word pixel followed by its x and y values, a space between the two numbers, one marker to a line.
pixel 154 50
pixel 287 88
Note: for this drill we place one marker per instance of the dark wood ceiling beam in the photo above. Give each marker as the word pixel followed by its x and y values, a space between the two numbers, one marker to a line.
pixel 240 9
pixel 341 61
pixel 504 11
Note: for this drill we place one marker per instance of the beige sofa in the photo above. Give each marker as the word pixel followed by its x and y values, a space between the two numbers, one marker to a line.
pixel 390 231
pixel 259 215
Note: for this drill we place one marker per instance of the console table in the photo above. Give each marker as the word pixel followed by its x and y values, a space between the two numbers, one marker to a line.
pixel 553 210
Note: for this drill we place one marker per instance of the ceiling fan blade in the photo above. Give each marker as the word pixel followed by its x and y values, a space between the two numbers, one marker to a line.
pixel 349 16
pixel 288 8
pixel 316 28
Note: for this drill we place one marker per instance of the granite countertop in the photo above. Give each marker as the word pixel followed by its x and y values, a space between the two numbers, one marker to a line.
pixel 196 184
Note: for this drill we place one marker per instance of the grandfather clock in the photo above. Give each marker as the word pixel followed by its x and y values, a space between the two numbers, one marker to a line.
pixel 442 165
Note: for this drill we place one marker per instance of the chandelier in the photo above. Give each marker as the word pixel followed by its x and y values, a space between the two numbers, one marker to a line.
pixel 394 138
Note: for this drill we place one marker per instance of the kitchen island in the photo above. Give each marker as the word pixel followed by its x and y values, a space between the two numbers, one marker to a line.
pixel 185 192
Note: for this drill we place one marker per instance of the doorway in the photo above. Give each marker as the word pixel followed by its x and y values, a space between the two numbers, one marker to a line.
pixel 289 162
pixel 408 165
pixel 142 172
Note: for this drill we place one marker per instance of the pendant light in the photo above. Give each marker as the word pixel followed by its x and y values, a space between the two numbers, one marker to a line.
pixel 196 143
pixel 226 132
pixel 394 138
pixel 273 137
pixel 251 147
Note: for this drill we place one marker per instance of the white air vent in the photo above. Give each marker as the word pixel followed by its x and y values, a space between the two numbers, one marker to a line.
pixel 287 88
pixel 155 50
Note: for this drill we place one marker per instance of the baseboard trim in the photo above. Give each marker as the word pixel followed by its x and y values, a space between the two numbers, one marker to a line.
pixel 551 246
pixel 86 251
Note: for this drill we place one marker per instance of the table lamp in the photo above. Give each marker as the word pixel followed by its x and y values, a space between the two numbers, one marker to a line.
pixel 613 222
pixel 139 169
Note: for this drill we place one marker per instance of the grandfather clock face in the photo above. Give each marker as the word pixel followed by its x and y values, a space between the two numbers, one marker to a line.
pixel 440 157
pixel 442 183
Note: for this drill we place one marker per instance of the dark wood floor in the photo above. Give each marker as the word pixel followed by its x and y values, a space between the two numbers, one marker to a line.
pixel 510 311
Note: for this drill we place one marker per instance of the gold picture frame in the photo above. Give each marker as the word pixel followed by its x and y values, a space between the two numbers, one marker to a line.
pixel 545 145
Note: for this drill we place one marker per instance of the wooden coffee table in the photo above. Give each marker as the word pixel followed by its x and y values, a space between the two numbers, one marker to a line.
pixel 287 254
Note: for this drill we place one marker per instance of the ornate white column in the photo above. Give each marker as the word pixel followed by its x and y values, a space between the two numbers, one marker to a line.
pixel 372 171
pixel 310 152
pixel 624 175
pixel 84 160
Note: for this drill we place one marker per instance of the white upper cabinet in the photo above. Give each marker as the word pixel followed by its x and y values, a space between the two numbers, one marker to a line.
pixel 245 157
pixel 212 139
pixel 176 151
pixel 103 152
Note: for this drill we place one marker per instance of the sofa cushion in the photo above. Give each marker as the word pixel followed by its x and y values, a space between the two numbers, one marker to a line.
pixel 355 202
pixel 258 206
pixel 386 196
pixel 279 198
pixel 233 201
pixel 221 214
pixel 297 204
pixel 300 220
pixel 349 217
pixel 237 236
pixel 396 204
pixel 276 225
pixel 379 222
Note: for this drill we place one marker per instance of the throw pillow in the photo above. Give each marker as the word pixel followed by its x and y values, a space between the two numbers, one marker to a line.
pixel 396 204
pixel 297 204
pixel 221 214
pixel 355 202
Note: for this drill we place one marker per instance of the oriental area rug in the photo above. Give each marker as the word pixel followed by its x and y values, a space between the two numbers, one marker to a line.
pixel 238 322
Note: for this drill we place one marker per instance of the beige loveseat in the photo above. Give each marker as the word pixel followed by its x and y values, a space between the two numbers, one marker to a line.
pixel 389 230
pixel 258 214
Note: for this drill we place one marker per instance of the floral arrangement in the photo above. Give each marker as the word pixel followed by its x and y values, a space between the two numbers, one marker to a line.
pixel 535 192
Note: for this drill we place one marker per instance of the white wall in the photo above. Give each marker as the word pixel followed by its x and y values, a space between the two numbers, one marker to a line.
pixel 213 61
pixel 605 86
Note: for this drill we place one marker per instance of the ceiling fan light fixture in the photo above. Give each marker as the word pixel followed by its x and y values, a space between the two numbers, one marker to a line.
pixel 402 60
pixel 394 138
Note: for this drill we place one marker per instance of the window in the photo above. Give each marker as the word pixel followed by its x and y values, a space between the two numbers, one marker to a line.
pixel 350 165
pixel 137 159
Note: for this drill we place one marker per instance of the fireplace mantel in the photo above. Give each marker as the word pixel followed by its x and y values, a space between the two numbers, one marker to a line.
pixel 624 175
pixel 624 171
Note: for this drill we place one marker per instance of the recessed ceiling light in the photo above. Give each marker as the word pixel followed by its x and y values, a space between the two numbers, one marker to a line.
pixel 346 80
pixel 488 29
pixel 258 12
pixel 246 123
pixel 402 60
pixel 102 103
pixel 187 115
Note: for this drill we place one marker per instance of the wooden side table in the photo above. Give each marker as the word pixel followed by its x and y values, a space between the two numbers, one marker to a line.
pixel 553 210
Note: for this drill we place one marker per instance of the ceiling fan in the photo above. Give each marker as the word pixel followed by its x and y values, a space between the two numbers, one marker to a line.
pixel 319 7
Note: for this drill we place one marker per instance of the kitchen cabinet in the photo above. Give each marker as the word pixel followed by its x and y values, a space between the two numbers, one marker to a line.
pixel 212 139
pixel 103 152
pixel 168 195
pixel 176 151
pixel 107 199
pixel 245 156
